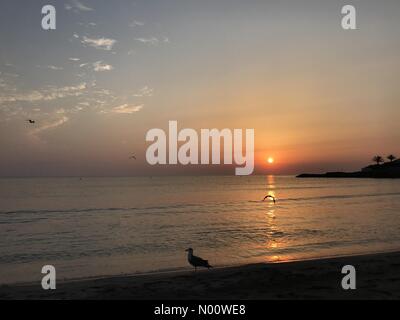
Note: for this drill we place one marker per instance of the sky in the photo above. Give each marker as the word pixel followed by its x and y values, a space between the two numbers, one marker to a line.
pixel 320 98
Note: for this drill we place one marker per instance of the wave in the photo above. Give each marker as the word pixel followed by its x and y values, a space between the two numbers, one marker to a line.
pixel 143 210
pixel 86 210
pixel 345 196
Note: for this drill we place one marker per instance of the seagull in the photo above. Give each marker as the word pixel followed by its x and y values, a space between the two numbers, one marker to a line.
pixel 196 261
pixel 31 121
pixel 132 157
pixel 269 196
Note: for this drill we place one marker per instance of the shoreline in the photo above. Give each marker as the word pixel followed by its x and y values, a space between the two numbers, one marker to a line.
pixel 183 270
pixel 378 277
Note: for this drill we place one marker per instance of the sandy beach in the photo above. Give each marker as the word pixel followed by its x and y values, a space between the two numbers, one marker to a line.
pixel 378 277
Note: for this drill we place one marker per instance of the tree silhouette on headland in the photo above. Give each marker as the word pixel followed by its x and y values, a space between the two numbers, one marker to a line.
pixel 378 160
pixel 391 158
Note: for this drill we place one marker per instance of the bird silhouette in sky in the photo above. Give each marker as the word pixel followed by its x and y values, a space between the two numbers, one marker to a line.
pixel 132 157
pixel 31 121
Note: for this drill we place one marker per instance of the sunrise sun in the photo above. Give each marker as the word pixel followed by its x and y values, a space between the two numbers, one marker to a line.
pixel 270 160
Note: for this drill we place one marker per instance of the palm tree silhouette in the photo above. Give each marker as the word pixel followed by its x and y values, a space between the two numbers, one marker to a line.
pixel 391 158
pixel 377 159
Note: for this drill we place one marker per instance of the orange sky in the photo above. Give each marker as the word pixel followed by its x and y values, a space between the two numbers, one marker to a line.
pixel 319 98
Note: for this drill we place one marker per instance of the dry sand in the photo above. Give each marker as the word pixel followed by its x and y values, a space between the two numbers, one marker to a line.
pixel 378 277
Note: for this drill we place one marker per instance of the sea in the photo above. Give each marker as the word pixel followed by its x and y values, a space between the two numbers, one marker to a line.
pixel 98 227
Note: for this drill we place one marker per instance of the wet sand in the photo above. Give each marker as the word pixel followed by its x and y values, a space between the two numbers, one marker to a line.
pixel 378 277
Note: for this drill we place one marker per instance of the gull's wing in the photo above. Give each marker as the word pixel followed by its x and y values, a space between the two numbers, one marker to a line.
pixel 198 262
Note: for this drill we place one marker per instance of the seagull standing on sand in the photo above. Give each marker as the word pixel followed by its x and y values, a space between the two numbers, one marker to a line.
pixel 269 196
pixel 196 261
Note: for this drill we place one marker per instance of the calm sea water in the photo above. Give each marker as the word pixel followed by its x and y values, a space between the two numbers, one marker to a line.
pixel 111 226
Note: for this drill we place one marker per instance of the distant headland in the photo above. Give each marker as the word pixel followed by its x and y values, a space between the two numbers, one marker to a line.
pixel 381 169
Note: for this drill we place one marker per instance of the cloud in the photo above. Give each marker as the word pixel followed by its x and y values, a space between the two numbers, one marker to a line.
pixel 51 67
pixel 153 41
pixel 51 124
pixel 136 23
pixel 144 92
pixel 99 66
pixel 48 94
pixel 77 6
pixel 99 43
pixel 127 109
pixel 8 74
pixel 55 68
pixel 74 59
pixel 3 84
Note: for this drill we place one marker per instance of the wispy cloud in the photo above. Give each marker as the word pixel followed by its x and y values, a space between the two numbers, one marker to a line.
pixel 144 92
pixel 51 67
pixel 48 94
pixel 8 74
pixel 152 40
pixel 7 84
pixel 99 66
pixel 74 59
pixel 99 43
pixel 51 124
pixel 136 23
pixel 127 109
pixel 77 6
pixel 55 68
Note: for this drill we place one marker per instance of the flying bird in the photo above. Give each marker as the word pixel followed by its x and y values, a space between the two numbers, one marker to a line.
pixel 196 261
pixel 132 157
pixel 31 121
pixel 269 196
